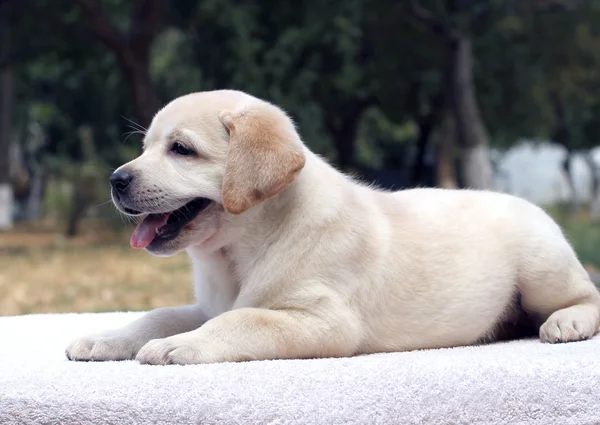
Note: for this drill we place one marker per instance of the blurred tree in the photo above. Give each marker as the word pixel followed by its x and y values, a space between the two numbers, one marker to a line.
pixel 444 136
pixel 6 117
pixel 367 85
pixel 570 75
pixel 407 72
pixel 313 61
pixel 546 91
pixel 132 48
pixel 66 79
pixel 86 184
pixel 558 56
pixel 451 25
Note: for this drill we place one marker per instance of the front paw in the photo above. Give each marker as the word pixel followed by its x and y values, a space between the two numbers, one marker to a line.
pixel 103 347
pixel 173 350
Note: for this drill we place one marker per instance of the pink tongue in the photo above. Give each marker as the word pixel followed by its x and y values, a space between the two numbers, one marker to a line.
pixel 145 231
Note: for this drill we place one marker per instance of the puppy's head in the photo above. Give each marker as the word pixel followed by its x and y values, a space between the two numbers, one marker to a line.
pixel 205 155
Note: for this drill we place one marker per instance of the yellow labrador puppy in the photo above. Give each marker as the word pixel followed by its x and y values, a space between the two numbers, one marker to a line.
pixel 293 259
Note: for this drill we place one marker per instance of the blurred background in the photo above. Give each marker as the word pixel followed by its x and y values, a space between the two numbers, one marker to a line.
pixel 499 94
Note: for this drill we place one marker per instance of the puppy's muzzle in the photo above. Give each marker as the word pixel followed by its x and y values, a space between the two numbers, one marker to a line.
pixel 120 182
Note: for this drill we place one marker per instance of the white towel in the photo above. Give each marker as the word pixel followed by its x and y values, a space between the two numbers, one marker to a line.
pixel 522 382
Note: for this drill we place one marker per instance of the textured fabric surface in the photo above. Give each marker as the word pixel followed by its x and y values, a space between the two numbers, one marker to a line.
pixel 524 382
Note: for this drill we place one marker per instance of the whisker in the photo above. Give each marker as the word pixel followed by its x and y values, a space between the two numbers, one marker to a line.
pixel 104 203
pixel 135 129
pixel 139 126
pixel 121 215
pixel 131 133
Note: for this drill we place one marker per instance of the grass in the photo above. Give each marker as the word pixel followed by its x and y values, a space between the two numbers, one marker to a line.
pixel 43 272
pixel 583 233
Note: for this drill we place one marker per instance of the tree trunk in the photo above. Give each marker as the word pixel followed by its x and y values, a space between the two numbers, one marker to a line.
pixel 132 48
pixel 595 186
pixel 37 192
pixel 6 109
pixel 562 134
pixel 567 169
pixel 416 178
pixel 77 210
pixel 475 164
pixel 427 124
pixel 136 68
pixel 445 142
pixel 345 145
pixel 343 130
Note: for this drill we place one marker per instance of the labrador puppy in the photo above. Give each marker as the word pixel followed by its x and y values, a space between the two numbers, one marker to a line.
pixel 293 259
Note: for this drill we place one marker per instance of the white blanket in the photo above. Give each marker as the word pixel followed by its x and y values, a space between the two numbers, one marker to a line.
pixel 524 382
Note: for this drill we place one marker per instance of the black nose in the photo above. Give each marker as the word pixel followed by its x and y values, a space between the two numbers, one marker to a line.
pixel 120 179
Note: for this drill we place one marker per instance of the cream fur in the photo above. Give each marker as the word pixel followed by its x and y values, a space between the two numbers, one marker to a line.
pixel 326 266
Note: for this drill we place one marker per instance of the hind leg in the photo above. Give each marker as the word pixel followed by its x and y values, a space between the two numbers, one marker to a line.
pixel 573 323
pixel 571 310
pixel 558 289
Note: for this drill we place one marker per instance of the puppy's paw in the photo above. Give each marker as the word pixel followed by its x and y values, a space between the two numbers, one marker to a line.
pixel 173 350
pixel 103 347
pixel 567 325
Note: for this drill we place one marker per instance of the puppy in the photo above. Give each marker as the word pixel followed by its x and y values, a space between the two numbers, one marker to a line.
pixel 293 259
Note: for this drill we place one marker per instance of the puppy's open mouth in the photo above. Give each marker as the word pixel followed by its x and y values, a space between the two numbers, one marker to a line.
pixel 166 226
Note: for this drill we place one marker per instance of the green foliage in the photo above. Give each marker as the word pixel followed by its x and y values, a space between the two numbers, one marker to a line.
pixel 534 58
pixel 582 232
pixel 57 199
pixel 353 70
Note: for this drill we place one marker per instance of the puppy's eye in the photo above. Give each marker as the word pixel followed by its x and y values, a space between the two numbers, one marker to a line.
pixel 182 150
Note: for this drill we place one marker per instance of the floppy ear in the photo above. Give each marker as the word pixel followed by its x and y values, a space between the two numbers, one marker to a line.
pixel 265 156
